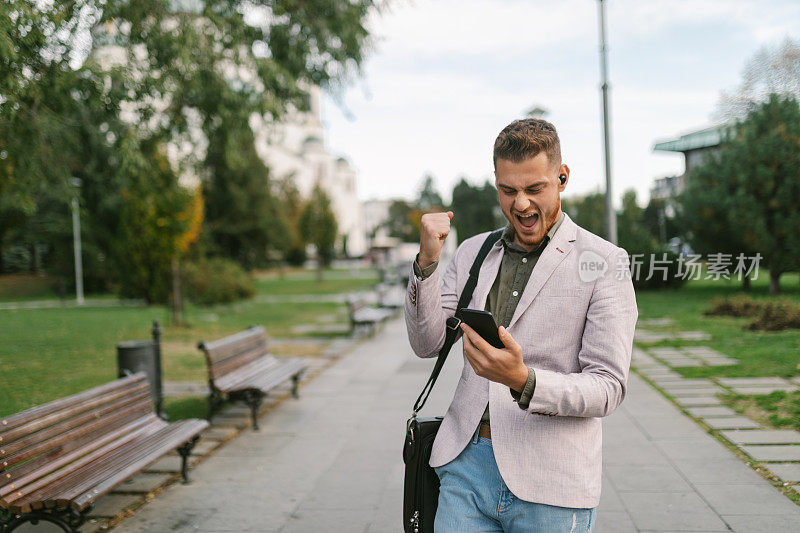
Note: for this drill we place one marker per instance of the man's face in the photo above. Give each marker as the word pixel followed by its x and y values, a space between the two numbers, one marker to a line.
pixel 530 196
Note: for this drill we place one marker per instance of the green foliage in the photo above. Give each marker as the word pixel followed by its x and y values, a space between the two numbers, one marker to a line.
pixel 658 221
pixel 290 206
pixel 318 225
pixel 475 209
pixel 241 211
pixel 400 222
pixel 752 185
pixel 587 211
pixel 216 280
pixel 150 227
pixel 428 198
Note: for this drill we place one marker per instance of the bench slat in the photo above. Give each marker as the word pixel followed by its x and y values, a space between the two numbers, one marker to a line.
pixel 268 381
pixel 64 424
pixel 175 435
pixel 72 459
pixel 20 426
pixel 45 478
pixel 231 380
pixel 23 417
pixel 130 412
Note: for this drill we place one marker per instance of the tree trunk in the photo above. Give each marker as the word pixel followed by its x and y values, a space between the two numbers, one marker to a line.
pixel 746 282
pixel 177 299
pixel 320 269
pixel 774 282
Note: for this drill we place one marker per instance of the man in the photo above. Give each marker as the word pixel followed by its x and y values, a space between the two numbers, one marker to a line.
pixel 519 448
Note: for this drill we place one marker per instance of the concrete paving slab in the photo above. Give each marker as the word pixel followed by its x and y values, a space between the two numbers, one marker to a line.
pixel 765 522
pixel 768 389
pixel 219 433
pixel 747 382
pixel 721 362
pixel 749 498
pixel 664 321
pixel 144 483
pixel 716 469
pixel 111 504
pixel 698 401
pixel 676 511
pixel 786 471
pixel 795 380
pixel 763 436
pixel 769 452
pixel 692 383
pixel 613 522
pixel 708 412
pixel 649 478
pixel 730 422
pixel 693 335
pixel 691 391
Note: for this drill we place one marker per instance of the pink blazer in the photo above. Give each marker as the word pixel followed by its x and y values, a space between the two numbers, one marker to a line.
pixel 575 323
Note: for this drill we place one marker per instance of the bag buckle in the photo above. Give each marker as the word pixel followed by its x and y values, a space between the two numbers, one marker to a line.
pixel 453 322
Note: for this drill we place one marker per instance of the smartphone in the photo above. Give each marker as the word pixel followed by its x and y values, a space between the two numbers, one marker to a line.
pixel 484 325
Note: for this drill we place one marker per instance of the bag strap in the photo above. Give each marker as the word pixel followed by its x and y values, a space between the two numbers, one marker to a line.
pixel 452 329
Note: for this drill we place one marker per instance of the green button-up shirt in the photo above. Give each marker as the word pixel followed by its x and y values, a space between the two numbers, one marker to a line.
pixel 515 271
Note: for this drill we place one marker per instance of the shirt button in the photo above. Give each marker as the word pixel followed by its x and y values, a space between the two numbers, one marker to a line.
pixel 524 259
pixel 514 293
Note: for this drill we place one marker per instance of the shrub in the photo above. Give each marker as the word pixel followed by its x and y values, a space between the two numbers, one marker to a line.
pixel 777 316
pixel 659 258
pixel 737 306
pixel 216 280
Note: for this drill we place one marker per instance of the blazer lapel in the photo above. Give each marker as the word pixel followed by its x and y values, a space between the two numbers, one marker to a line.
pixel 555 252
pixel 488 273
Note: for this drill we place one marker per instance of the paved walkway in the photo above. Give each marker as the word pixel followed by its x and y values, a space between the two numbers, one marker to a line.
pixel 331 462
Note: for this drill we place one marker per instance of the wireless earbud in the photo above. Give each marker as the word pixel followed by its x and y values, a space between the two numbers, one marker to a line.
pixel 563 178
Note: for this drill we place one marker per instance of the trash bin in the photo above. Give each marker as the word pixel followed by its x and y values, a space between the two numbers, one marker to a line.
pixel 143 356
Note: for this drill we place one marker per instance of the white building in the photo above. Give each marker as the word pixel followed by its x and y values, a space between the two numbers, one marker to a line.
pixel 295 148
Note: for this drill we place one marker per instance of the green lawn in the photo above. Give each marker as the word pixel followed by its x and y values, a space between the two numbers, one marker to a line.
pixel 49 353
pixel 760 353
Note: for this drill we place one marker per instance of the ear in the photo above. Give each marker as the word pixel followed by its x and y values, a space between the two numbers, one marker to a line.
pixel 563 169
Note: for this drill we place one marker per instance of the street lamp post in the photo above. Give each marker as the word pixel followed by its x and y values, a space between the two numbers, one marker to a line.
pixel 76 241
pixel 611 217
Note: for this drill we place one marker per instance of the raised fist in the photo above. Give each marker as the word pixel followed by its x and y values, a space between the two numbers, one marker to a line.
pixel 434 230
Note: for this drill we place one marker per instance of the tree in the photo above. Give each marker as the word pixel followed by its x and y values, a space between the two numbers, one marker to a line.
pixel 241 211
pixel 771 70
pixel 745 199
pixel 587 211
pixel 428 198
pixel 400 223
pixel 151 235
pixel 291 205
pixel 475 209
pixel 318 227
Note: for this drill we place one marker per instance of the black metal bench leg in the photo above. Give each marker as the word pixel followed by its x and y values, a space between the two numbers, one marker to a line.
pixel 214 401
pixel 253 400
pixel 185 449
pixel 295 383
pixel 67 519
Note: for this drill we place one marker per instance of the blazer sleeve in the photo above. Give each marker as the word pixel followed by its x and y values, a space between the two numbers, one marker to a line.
pixel 427 308
pixel 605 353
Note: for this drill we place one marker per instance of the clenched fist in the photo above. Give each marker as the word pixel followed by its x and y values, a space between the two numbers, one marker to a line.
pixel 434 230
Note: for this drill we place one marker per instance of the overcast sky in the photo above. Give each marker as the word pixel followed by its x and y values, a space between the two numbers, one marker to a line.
pixel 446 76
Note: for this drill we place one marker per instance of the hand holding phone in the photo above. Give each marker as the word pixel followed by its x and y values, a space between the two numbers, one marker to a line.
pixel 484 325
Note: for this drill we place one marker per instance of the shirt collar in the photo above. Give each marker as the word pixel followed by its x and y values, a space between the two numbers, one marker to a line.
pixel 508 237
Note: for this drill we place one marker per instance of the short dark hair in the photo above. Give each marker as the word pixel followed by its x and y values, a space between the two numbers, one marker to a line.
pixel 527 138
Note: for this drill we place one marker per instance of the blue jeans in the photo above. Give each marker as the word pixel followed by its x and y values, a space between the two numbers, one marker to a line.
pixel 474 498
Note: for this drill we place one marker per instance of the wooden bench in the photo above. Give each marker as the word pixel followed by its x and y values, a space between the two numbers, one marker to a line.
pixel 57 459
pixel 241 368
pixel 362 314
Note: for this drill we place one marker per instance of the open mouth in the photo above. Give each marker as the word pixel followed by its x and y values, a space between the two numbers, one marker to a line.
pixel 528 221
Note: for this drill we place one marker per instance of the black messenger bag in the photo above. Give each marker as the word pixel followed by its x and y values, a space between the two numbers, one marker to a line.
pixel 421 487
